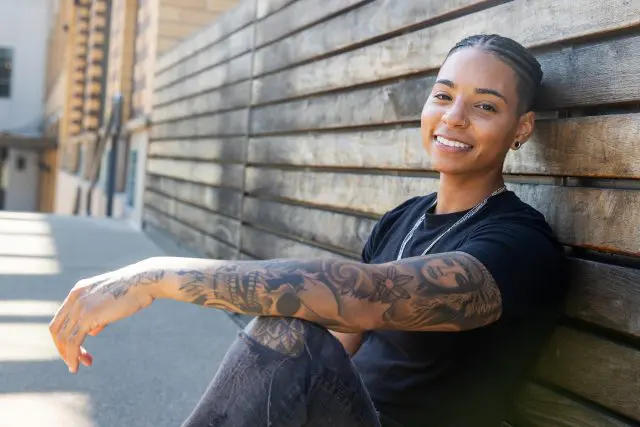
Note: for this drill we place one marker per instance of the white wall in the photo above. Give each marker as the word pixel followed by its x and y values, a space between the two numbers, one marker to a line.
pixel 23 27
pixel 21 187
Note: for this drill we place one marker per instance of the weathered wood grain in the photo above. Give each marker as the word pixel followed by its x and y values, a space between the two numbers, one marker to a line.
pixel 605 72
pixel 226 73
pixel 191 53
pixel 224 228
pixel 227 149
pixel 225 98
pixel 600 146
pixel 245 257
pixel 231 123
pixel 594 74
pixel 538 406
pixel 297 15
pixel 392 103
pixel 345 232
pixel 267 7
pixel 224 200
pixel 190 236
pixel 373 20
pixel 594 218
pixel 606 295
pixel 589 366
pixel 266 245
pixel 407 54
pixel 235 45
pixel 224 175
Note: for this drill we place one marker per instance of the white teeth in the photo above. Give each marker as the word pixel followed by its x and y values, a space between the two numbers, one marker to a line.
pixel 449 143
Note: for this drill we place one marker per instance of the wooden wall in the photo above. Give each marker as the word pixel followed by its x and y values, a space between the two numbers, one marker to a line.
pixel 287 127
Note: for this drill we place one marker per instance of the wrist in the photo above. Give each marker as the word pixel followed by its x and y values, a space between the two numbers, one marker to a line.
pixel 159 268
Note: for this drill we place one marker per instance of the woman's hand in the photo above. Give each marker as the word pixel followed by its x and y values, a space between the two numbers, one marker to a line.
pixel 95 302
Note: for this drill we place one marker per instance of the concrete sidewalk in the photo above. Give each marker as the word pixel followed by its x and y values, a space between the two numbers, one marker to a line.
pixel 149 370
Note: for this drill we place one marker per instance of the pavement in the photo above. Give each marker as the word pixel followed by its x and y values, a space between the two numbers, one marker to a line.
pixel 149 370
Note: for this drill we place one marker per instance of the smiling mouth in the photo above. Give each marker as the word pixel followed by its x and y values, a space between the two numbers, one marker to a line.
pixel 452 144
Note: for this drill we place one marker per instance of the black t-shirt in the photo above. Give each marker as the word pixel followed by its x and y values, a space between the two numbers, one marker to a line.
pixel 465 379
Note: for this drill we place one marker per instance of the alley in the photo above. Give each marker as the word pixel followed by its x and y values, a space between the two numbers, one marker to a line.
pixel 149 370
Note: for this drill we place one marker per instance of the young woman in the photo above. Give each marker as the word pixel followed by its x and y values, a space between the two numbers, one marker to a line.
pixel 435 327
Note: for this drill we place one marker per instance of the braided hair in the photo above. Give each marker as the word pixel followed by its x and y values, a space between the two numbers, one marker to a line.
pixel 516 56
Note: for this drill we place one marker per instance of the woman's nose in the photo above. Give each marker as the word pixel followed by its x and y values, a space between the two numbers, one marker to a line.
pixel 455 116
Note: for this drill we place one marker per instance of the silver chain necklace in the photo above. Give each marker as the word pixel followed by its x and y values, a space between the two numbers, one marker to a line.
pixel 466 216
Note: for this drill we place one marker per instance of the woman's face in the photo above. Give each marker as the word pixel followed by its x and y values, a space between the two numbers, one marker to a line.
pixel 470 119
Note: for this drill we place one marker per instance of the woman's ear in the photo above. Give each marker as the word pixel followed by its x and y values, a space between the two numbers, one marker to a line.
pixel 526 125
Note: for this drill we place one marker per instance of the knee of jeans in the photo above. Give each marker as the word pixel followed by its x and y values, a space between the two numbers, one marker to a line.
pixel 286 335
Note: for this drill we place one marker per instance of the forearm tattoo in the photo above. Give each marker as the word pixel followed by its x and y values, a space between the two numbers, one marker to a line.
pixel 118 287
pixel 443 292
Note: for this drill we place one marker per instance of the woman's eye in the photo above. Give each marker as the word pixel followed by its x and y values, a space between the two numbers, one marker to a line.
pixel 488 107
pixel 442 97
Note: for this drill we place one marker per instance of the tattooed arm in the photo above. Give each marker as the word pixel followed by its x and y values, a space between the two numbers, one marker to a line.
pixel 442 292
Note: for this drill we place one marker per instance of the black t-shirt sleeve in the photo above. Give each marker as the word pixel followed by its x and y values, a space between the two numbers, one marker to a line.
pixel 526 262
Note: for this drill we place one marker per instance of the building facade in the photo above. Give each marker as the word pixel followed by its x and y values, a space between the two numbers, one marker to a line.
pixel 25 152
pixel 111 47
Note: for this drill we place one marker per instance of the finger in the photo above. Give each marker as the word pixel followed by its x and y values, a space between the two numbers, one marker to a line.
pixel 85 357
pixel 94 332
pixel 63 311
pixel 69 328
pixel 73 348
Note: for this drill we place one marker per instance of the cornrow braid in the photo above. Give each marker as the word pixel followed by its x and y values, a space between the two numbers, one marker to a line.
pixel 523 63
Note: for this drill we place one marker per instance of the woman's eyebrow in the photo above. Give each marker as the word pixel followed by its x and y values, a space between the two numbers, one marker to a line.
pixel 446 82
pixel 493 92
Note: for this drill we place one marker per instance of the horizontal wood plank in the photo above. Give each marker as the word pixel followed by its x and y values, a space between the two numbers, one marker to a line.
pixel 267 7
pixel 364 23
pixel 600 146
pixel 601 73
pixel 234 45
pixel 265 245
pixel 226 98
pixel 228 149
pixel 222 227
pixel 570 80
pixel 596 369
pixel 538 406
pixel 345 232
pixel 224 200
pixel 297 15
pixel 190 236
pixel 393 103
pixel 409 54
pixel 228 22
pixel 229 72
pixel 577 214
pixel 224 175
pixel 231 123
pixel 605 295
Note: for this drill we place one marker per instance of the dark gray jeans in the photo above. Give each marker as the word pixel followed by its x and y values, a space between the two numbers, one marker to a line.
pixel 284 372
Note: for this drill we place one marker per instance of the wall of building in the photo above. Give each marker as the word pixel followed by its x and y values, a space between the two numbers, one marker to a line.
pixel 162 24
pixel 287 127
pixel 24 109
pixel 22 176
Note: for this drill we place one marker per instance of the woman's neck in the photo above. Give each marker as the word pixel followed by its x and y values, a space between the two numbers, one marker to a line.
pixel 458 193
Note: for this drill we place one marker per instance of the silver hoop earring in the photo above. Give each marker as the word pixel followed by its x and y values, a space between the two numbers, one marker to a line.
pixel 518 145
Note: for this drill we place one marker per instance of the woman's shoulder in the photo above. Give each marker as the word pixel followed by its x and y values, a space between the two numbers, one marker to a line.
pixel 513 217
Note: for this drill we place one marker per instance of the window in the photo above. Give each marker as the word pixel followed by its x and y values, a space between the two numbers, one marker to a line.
pixel 6 65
